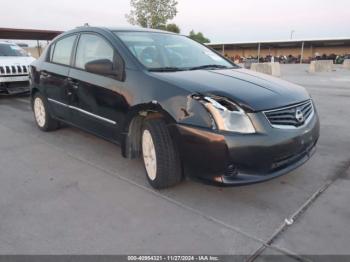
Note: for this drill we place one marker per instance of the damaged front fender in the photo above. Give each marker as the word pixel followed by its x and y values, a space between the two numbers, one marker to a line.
pixel 188 111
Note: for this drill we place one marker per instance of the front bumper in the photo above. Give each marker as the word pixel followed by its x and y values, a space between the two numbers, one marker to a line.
pixel 12 88
pixel 226 158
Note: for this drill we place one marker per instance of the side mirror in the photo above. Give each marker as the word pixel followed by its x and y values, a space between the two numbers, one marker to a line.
pixel 101 67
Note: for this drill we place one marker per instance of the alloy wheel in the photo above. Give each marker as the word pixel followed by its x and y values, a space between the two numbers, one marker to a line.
pixel 149 155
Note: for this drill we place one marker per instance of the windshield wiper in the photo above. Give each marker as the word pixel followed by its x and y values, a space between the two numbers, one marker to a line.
pixel 209 66
pixel 165 69
pixel 174 69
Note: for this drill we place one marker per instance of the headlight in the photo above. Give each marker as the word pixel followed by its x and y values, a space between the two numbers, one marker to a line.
pixel 227 115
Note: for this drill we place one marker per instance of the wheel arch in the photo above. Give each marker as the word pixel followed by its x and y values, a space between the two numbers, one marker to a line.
pixel 132 126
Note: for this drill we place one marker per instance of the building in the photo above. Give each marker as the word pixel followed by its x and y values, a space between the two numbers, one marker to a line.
pixel 29 34
pixel 304 48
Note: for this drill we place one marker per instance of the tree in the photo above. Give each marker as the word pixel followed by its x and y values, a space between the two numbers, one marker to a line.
pixel 172 28
pixel 151 13
pixel 199 37
pixel 169 27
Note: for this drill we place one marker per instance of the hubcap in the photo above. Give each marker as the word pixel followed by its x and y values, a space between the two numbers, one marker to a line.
pixel 39 112
pixel 149 155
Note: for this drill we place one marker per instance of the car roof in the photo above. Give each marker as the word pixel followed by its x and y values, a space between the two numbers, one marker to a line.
pixel 137 29
pixel 120 29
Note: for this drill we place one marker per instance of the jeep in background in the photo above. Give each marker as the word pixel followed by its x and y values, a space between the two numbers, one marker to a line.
pixel 14 65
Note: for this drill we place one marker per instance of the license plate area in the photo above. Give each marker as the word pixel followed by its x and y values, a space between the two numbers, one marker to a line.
pixel 14 79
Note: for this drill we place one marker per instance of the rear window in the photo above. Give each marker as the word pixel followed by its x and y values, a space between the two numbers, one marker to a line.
pixel 62 51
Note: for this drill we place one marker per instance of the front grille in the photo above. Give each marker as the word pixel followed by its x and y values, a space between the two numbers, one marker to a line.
pixel 291 116
pixel 14 70
pixel 17 84
pixel 286 161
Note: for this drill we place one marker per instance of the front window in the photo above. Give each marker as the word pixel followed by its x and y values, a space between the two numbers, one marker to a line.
pixel 12 50
pixel 160 51
pixel 92 47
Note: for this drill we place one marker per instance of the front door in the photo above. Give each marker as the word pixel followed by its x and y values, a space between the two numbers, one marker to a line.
pixel 97 103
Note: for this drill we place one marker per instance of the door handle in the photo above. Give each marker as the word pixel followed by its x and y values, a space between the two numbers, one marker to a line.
pixel 73 83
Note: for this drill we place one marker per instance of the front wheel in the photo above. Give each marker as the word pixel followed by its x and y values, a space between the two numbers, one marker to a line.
pixel 41 114
pixel 160 155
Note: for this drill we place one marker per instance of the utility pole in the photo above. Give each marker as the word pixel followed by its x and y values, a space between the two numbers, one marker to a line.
pixel 302 52
pixel 292 34
pixel 38 47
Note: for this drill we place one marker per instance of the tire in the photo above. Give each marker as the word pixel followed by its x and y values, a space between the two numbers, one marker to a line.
pixel 41 114
pixel 162 164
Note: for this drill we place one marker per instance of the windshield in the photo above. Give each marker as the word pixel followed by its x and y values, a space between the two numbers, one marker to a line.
pixel 11 50
pixel 172 52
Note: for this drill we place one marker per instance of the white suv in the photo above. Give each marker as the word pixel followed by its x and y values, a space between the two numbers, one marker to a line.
pixel 14 69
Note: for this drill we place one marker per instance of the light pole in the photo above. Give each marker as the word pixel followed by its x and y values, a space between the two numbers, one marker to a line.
pixel 291 34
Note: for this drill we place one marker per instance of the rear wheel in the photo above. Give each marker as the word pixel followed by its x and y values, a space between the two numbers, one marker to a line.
pixel 160 155
pixel 42 116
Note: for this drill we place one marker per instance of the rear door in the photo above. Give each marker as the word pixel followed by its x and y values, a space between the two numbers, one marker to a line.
pixel 97 102
pixel 54 74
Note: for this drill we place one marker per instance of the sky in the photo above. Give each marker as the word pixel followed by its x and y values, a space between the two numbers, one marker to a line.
pixel 219 20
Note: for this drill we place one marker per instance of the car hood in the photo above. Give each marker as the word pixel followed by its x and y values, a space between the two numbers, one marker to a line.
pixel 251 90
pixel 15 60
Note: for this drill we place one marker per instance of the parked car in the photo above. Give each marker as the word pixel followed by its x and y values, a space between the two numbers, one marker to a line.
pixel 341 59
pixel 14 68
pixel 184 109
